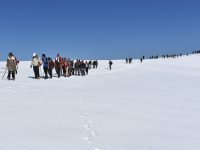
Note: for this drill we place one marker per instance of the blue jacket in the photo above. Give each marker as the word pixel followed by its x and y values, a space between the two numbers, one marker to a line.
pixel 45 62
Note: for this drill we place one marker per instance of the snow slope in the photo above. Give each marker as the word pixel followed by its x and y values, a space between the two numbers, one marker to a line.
pixel 150 106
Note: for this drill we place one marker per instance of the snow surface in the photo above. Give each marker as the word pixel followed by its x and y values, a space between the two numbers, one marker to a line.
pixel 150 106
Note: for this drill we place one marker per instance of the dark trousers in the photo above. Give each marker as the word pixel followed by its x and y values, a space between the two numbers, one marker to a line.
pixel 86 70
pixel 58 71
pixel 36 71
pixel 13 74
pixel 45 71
pixel 72 71
pixel 50 72
pixel 64 71
pixel 82 71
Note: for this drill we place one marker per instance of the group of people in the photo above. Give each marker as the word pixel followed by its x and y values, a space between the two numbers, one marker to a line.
pixel 196 52
pixel 63 66
pixel 129 60
pixel 166 56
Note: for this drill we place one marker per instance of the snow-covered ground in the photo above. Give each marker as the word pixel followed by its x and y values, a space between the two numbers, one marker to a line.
pixel 150 106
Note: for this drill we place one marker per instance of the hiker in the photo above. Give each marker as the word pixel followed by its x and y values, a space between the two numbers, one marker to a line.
pixel 96 64
pixel 17 62
pixel 11 65
pixel 68 63
pixel 65 67
pixel 51 66
pixel 72 67
pixel 77 67
pixel 58 65
pixel 141 60
pixel 90 64
pixel 87 67
pixel 45 65
pixel 110 64
pixel 126 60
pixel 130 60
pixel 36 63
pixel 93 64
pixel 82 68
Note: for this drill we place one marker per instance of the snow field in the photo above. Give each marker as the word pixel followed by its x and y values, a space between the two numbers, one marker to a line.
pixel 149 106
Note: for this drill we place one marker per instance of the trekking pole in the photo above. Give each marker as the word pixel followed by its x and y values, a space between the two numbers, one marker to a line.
pixel 4 73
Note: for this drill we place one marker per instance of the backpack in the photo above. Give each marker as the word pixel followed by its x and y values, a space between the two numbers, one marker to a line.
pixel 51 64
pixel 45 62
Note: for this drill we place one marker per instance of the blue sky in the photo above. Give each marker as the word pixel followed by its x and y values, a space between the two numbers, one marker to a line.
pixel 98 29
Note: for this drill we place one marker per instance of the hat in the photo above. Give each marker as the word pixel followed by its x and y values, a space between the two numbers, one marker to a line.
pixel 34 54
pixel 10 54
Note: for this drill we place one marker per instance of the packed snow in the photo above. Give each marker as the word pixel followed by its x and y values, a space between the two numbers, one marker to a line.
pixel 154 105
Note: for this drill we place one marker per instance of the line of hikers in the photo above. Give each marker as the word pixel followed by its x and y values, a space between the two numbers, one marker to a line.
pixel 63 66
pixel 167 56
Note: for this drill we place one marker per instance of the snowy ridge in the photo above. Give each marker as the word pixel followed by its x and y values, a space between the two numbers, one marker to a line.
pixel 149 106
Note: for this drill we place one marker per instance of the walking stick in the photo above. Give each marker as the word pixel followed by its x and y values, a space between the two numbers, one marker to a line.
pixel 4 73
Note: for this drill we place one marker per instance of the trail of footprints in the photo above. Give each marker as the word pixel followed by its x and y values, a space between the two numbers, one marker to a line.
pixel 86 119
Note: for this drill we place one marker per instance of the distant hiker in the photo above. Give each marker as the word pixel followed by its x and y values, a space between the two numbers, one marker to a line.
pixel 90 64
pixel 82 68
pixel 58 65
pixel 143 57
pixel 87 67
pixel 36 63
pixel 77 67
pixel 65 67
pixel 51 67
pixel 45 65
pixel 11 65
pixel 71 68
pixel 126 60
pixel 93 64
pixel 130 60
pixel 96 64
pixel 110 64
pixel 141 60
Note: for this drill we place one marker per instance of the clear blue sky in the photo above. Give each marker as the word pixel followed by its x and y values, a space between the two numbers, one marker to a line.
pixel 98 29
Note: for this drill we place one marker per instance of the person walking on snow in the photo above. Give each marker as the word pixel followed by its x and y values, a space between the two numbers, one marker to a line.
pixel 110 64
pixel 36 63
pixel 51 66
pixel 45 65
pixel 11 65
pixel 58 65
pixel 141 60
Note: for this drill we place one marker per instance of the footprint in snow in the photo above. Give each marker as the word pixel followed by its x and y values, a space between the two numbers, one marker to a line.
pixel 87 127
pixel 90 121
pixel 88 140
pixel 93 134
pixel 83 117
